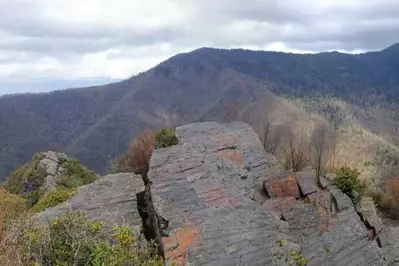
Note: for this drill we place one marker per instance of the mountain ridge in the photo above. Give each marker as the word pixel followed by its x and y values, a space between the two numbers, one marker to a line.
pixel 95 124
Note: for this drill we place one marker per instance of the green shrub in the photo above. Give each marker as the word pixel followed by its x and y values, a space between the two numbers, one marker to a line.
pixel 29 173
pixel 28 180
pixel 75 240
pixel 165 138
pixel 299 260
pixel 389 201
pixel 347 181
pixel 75 174
pixel 53 198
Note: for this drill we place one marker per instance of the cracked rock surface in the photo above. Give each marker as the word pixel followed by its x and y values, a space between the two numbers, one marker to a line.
pixel 227 202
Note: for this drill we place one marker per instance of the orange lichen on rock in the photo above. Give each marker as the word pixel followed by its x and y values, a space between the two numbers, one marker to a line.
pixel 226 141
pixel 217 198
pixel 285 187
pixel 233 155
pixel 178 245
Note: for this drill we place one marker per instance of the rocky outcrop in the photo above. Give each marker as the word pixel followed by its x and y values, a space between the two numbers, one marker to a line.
pixel 111 199
pixel 228 203
pixel 203 186
pixel 51 163
pixel 224 201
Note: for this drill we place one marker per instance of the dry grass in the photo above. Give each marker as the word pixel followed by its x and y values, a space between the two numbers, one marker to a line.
pixel 12 244
pixel 296 155
pixel 124 164
pixel 141 150
pixel 11 207
pixel 390 200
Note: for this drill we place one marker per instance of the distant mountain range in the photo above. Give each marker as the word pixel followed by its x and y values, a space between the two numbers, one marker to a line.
pixel 95 124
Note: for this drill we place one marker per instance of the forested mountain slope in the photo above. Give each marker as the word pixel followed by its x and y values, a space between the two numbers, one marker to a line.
pixel 95 124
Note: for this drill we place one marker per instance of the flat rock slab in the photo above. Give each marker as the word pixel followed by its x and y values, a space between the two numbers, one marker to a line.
pixel 281 185
pixel 324 182
pixel 302 218
pixel 203 194
pixel 346 242
pixel 389 238
pixel 307 182
pixel 111 199
pixel 321 198
pixel 279 205
pixel 366 208
pixel 340 199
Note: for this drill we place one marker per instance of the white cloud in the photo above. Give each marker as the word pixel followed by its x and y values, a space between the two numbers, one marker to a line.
pixel 79 39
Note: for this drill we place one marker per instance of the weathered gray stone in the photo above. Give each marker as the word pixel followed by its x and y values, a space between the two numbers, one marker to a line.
pixel 50 155
pixel 258 195
pixel 302 218
pixel 346 242
pixel 324 182
pixel 50 166
pixel 111 199
pixel 61 170
pixel 307 182
pixel 204 185
pixel 283 184
pixel 49 183
pixel 321 198
pixel 279 205
pixel 341 200
pixel 366 208
pixel 51 163
pixel 389 239
pixel 198 186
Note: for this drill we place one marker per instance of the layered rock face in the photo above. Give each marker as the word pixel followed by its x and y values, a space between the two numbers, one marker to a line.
pixel 111 199
pixel 51 163
pixel 203 186
pixel 227 202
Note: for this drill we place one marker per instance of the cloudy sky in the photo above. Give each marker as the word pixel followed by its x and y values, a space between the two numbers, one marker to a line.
pixel 54 44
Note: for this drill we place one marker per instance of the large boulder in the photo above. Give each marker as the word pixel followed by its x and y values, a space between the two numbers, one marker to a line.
pixel 203 187
pixel 212 189
pixel 111 199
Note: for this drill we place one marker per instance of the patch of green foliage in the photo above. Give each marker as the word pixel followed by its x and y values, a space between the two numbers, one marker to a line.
pixel 165 137
pixel 282 242
pixel 53 198
pixel 33 175
pixel 29 172
pixel 348 181
pixel 76 240
pixel 327 248
pixel 75 174
pixel 298 258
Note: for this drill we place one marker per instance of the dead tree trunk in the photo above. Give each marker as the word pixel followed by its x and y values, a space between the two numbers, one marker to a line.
pixel 151 222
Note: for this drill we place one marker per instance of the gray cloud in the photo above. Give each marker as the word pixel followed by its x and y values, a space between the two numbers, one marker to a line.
pixel 100 39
